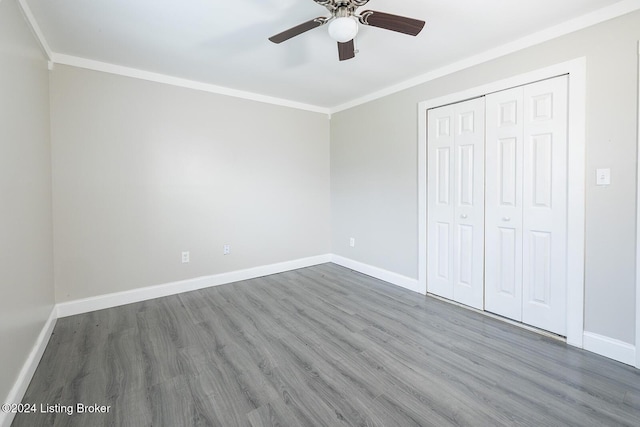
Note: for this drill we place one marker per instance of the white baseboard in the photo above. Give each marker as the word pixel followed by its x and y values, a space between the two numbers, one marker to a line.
pixel 610 347
pixel 101 302
pixel 28 369
pixel 379 273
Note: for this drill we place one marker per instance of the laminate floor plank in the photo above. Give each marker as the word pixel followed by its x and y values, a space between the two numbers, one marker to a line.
pixel 274 414
pixel 319 346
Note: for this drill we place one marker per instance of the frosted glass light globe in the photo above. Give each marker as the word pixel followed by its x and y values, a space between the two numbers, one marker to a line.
pixel 343 29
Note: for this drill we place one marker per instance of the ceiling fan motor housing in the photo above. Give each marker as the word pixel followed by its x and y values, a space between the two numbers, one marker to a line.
pixel 342 8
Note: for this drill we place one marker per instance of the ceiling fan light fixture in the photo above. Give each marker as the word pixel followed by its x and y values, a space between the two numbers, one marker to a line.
pixel 343 29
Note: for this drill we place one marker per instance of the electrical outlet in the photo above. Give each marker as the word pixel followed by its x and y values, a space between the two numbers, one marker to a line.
pixel 352 242
pixel 226 249
pixel 185 257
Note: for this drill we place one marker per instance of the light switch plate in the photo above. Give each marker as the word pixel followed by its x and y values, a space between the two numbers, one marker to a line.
pixel 603 176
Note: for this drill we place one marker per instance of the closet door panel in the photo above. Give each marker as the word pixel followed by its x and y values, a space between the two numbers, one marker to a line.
pixel 455 211
pixel 440 200
pixel 545 204
pixel 468 286
pixel 503 203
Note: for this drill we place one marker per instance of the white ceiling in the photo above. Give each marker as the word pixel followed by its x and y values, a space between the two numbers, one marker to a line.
pixel 224 43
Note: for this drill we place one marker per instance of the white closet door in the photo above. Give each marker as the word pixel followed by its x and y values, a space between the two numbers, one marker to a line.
pixel 545 205
pixel 456 202
pixel 503 200
pixel 526 204
pixel 440 203
pixel 468 231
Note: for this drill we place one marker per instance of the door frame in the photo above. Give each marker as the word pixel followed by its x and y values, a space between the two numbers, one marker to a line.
pixel 637 343
pixel 576 69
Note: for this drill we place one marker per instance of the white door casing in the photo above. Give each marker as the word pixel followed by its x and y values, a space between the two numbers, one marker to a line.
pixel 456 201
pixel 637 343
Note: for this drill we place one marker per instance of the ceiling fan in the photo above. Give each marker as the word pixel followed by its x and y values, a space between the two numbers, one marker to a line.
pixel 343 25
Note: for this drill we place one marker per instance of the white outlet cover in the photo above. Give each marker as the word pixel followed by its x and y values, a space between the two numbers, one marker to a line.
pixel 185 257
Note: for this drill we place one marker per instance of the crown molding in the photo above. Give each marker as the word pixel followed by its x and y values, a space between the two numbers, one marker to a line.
pixel 35 28
pixel 601 15
pixel 106 67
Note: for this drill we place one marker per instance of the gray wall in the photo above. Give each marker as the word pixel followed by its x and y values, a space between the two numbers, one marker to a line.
pixel 143 171
pixel 26 271
pixel 374 167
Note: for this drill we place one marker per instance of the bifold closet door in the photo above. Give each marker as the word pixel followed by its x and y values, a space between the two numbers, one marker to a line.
pixel 455 200
pixel 544 246
pixel 503 202
pixel 526 204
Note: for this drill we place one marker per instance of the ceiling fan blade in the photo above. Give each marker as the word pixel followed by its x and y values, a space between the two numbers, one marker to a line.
pixel 298 29
pixel 396 23
pixel 346 50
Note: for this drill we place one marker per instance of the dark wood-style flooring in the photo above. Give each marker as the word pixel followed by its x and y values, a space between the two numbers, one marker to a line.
pixel 320 346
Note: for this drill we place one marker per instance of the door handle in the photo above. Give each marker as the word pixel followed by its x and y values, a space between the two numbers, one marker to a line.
pixel 463 216
pixel 506 218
